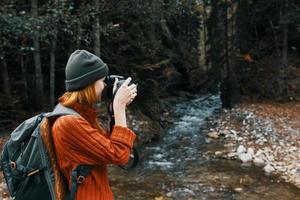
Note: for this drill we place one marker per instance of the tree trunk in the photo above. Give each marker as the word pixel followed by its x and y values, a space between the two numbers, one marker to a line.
pixel 207 13
pixel 52 72
pixel 205 35
pixel 243 32
pixel 39 94
pixel 226 86
pixel 166 31
pixel 285 64
pixel 202 41
pixel 285 46
pixel 282 83
pixel 214 38
pixel 96 27
pixel 79 35
pixel 24 80
pixel 285 38
pixel 233 50
pixel 215 42
pixel 243 38
pixel 275 38
pixel 5 77
pixel 52 65
pixel 155 9
pixel 152 26
pixel 227 62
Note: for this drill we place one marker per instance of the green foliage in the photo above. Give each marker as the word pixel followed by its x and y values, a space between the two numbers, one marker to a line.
pixel 22 26
pixel 132 40
pixel 137 35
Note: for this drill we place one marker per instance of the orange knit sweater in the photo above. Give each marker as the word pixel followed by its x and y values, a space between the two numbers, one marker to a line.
pixel 78 141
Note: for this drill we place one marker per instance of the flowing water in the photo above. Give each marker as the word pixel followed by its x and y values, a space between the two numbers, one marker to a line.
pixel 176 167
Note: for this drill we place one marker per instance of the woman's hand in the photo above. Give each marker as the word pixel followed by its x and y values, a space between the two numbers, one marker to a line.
pixel 125 94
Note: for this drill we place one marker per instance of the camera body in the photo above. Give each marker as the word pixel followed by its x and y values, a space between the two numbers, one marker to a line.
pixel 109 81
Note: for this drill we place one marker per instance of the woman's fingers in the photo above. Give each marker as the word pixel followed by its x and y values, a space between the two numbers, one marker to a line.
pixel 115 85
pixel 127 93
pixel 132 88
pixel 116 80
pixel 127 81
pixel 132 97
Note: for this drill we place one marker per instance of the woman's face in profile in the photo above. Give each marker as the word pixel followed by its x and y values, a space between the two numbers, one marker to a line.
pixel 99 86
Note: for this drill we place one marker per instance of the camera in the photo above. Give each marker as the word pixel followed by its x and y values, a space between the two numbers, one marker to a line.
pixel 109 81
pixel 109 94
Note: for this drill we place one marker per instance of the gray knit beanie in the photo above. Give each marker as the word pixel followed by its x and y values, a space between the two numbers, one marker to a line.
pixel 83 68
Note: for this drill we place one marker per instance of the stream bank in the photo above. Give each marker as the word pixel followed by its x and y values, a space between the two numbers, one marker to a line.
pixel 264 134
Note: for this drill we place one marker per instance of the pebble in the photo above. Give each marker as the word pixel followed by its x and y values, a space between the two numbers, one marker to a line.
pixel 214 135
pixel 207 141
pixel 258 161
pixel 245 157
pixel 269 169
pixel 238 189
pixel 218 153
pixel 241 149
pixel 250 151
pixel 231 155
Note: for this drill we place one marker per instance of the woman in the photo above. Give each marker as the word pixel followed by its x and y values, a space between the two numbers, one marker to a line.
pixel 80 140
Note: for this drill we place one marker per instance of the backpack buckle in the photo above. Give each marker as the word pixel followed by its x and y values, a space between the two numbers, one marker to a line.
pixel 80 179
pixel 13 165
pixel 33 172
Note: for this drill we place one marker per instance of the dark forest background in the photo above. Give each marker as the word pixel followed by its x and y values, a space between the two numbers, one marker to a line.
pixel 244 49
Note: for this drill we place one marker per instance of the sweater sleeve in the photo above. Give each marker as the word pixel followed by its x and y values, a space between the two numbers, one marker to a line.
pixel 82 143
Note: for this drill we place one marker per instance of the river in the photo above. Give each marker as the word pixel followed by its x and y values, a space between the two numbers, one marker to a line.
pixel 177 167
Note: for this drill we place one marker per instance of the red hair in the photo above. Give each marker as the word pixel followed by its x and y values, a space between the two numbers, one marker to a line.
pixel 86 96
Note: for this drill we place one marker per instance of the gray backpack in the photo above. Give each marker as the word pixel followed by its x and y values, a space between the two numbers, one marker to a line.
pixel 28 161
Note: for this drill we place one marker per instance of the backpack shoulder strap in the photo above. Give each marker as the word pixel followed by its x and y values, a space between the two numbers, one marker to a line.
pixel 77 177
pixel 61 110
pixel 81 171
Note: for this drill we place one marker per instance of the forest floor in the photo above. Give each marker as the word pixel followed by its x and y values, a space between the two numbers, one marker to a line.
pixel 264 134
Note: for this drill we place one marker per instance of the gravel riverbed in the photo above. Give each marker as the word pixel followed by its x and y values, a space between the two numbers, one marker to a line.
pixel 261 134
